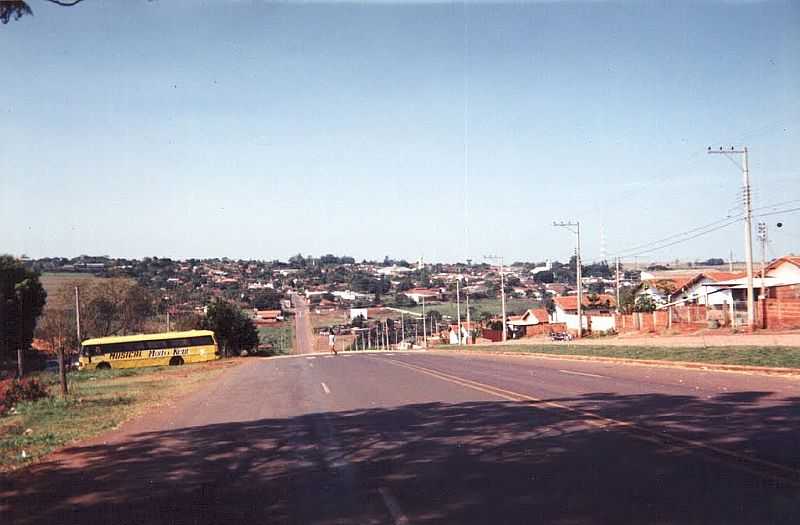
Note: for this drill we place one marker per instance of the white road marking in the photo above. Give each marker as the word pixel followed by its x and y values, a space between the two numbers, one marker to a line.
pixel 325 388
pixel 347 355
pixel 579 373
pixel 327 356
pixel 310 357
pixel 394 508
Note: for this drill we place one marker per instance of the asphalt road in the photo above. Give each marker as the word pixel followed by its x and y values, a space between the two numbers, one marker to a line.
pixel 409 438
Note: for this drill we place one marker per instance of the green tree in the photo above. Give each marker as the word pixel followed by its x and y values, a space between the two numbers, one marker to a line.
pixel 235 331
pixel 115 307
pixel 22 299
pixel 644 303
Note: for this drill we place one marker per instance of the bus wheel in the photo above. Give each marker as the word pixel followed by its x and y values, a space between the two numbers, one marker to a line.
pixel 176 361
pixel 104 366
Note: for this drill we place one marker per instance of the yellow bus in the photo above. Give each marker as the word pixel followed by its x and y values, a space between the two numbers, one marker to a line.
pixel 128 351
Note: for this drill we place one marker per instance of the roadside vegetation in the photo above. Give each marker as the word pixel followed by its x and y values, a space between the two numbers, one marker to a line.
pixel 99 400
pixel 280 337
pixel 772 356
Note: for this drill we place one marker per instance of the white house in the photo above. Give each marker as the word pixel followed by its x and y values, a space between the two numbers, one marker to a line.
pixel 416 294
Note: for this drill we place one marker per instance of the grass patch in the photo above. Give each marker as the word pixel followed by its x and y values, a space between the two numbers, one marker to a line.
pixel 773 356
pixel 280 336
pixel 99 400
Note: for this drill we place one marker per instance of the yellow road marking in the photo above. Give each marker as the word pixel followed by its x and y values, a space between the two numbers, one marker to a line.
pixel 784 474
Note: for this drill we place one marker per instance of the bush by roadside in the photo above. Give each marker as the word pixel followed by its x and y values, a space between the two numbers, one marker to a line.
pixel 13 391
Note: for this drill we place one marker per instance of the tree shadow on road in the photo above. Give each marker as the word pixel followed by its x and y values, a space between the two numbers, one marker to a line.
pixel 476 462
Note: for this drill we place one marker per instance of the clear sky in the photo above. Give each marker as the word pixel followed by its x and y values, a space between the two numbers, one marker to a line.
pixel 445 130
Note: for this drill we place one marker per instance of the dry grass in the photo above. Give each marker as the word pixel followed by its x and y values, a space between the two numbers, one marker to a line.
pixel 99 400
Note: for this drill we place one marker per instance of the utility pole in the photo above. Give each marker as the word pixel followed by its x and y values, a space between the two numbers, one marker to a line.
pixel 762 296
pixel 748 228
pixel 403 325
pixel 458 307
pixel 617 281
pixel 424 338
pixel 469 326
pixel 762 236
pixel 502 292
pixel 730 262
pixel 78 314
pixel 577 231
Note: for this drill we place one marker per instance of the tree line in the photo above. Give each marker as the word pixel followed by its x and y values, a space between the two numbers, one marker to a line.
pixel 108 307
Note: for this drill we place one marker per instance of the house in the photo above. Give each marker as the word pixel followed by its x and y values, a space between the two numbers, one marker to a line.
pixel 778 294
pixel 597 314
pixel 691 287
pixel 417 294
pixel 350 295
pixel 394 270
pixel 548 266
pixel 355 312
pixel 263 317
pixel 529 323
pixel 556 288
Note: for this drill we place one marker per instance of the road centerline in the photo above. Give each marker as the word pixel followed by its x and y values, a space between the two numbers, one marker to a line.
pixel 581 373
pixel 325 388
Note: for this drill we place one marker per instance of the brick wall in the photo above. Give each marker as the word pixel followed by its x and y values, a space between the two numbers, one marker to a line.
pixel 782 308
pixel 685 318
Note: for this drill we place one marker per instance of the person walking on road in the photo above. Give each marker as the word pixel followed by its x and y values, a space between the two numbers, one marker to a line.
pixel 332 343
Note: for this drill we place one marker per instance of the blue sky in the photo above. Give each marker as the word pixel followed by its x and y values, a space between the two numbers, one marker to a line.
pixel 444 130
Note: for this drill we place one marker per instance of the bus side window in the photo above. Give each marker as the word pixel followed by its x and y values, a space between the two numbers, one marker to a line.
pixel 203 340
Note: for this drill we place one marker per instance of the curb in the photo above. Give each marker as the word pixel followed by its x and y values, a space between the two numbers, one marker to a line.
pixel 714 367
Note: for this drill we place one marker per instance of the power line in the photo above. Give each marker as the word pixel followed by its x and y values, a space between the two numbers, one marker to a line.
pixel 700 234
pixel 775 205
pixel 673 236
pixel 777 212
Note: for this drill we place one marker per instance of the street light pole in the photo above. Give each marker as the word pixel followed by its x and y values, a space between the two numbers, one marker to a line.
pixel 577 232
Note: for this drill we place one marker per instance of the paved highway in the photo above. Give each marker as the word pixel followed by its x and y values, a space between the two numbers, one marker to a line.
pixel 430 437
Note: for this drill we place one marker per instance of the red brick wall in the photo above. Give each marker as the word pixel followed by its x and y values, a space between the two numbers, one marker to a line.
pixel 784 310
pixel 684 318
pixel 545 328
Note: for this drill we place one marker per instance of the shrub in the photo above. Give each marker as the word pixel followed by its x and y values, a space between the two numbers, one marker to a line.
pixel 13 391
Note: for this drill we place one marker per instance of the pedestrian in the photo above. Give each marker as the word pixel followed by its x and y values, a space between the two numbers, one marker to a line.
pixel 332 343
